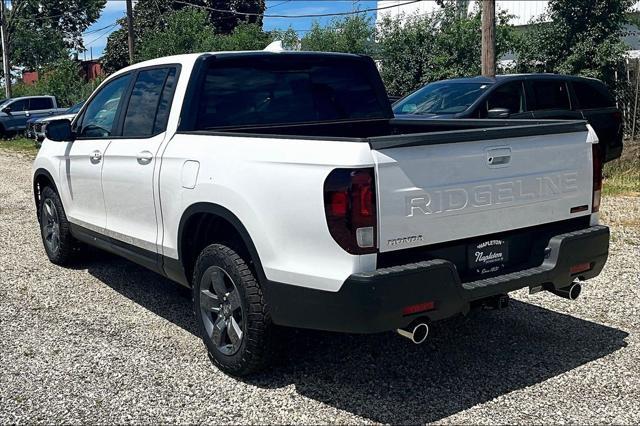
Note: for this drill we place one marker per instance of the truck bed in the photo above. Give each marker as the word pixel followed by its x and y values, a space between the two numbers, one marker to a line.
pixel 385 133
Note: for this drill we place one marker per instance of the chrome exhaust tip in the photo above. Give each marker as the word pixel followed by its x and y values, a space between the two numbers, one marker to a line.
pixel 417 332
pixel 572 292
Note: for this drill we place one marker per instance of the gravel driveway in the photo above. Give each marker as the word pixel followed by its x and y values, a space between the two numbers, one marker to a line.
pixel 109 342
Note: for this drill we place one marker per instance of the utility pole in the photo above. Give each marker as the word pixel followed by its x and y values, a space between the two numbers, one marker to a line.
pixel 129 29
pixel 489 38
pixel 5 52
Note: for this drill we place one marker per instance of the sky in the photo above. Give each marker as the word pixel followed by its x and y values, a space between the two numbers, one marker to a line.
pixel 95 37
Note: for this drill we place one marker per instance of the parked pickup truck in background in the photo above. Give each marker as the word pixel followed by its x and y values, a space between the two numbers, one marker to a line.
pixel 281 189
pixel 35 125
pixel 540 96
pixel 15 112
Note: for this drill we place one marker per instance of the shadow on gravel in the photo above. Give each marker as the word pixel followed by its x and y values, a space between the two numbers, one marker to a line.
pixel 385 378
pixel 155 293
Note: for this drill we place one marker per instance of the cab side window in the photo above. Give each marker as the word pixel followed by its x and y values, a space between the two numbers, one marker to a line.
pixel 98 120
pixel 509 96
pixel 21 105
pixel 550 94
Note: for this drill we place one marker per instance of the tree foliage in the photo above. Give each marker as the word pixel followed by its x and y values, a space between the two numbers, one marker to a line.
pixel 353 34
pixel 41 31
pixel 415 50
pixel 152 18
pixel 576 37
pixel 61 79
pixel 225 23
pixel 188 31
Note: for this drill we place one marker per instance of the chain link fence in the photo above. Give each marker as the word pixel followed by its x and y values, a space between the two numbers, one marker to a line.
pixel 628 97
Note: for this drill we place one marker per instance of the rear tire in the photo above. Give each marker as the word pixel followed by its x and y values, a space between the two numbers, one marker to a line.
pixel 232 314
pixel 59 244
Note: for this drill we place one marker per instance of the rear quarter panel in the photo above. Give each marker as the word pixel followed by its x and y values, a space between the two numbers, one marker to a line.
pixel 275 188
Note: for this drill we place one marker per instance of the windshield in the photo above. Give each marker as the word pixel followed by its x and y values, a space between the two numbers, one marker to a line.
pixel 441 98
pixel 74 109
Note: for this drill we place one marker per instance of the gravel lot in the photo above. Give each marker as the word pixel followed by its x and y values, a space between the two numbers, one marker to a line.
pixel 109 342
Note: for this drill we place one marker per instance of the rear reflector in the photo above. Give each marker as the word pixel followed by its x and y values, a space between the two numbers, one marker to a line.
pixel 579 209
pixel 580 267
pixel 597 178
pixel 420 307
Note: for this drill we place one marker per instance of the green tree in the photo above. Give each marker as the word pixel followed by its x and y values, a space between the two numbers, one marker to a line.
pixel 576 37
pixel 41 31
pixel 417 49
pixel 186 31
pixel 151 17
pixel 352 34
pixel 244 37
pixel 225 23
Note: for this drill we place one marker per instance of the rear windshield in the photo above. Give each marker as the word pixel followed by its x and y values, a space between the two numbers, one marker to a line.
pixel 284 89
pixel 441 98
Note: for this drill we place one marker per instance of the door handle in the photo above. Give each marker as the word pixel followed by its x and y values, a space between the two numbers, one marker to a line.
pixel 498 157
pixel 95 157
pixel 145 157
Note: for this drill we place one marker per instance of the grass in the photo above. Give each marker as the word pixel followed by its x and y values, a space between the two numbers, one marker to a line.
pixel 622 176
pixel 19 144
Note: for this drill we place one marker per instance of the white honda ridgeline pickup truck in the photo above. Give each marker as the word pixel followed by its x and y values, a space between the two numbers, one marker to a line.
pixel 279 187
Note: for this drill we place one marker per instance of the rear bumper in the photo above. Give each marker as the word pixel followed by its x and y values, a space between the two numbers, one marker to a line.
pixel 373 302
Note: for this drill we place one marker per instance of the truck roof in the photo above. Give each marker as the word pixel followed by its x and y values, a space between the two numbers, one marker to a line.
pixel 507 77
pixel 190 58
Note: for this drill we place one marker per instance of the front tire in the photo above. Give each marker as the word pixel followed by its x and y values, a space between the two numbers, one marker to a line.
pixel 231 311
pixel 58 242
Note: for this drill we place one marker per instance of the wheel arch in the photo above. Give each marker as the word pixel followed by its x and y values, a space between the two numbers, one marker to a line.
pixel 194 216
pixel 42 178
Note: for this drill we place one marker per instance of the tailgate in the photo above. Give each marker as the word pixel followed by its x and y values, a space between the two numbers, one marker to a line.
pixel 431 191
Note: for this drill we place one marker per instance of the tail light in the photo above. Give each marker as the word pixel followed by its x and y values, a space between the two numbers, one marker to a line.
pixel 597 178
pixel 350 208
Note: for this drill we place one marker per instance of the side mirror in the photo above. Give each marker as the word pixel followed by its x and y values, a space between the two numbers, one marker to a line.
pixel 59 131
pixel 498 113
pixel 6 110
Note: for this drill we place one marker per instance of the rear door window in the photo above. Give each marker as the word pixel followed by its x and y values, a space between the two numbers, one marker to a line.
pixel 509 95
pixel 550 94
pixel 264 91
pixel 40 103
pixel 591 95
pixel 146 105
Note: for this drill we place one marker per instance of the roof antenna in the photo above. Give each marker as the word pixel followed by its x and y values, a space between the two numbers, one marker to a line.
pixel 275 46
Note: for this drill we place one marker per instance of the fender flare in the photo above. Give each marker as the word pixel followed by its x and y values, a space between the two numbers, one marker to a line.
pixel 224 213
pixel 38 173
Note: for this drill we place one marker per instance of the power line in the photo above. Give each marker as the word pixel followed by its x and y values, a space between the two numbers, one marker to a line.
pixel 278 4
pixel 312 15
pixel 99 29
pixel 101 35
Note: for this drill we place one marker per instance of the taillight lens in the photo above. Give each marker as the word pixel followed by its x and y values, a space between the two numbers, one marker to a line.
pixel 597 178
pixel 350 208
